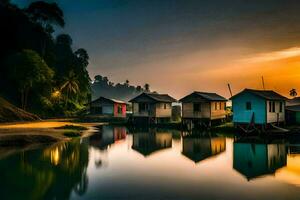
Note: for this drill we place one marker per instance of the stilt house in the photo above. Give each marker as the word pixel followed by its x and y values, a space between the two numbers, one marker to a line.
pixel 259 107
pixel 152 107
pixel 202 107
pixel 106 106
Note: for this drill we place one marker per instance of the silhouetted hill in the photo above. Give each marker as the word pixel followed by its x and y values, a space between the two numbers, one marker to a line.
pixel 122 91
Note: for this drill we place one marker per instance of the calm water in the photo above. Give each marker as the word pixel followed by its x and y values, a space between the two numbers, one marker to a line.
pixel 154 164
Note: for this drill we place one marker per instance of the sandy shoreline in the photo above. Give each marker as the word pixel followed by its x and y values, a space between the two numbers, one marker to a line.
pixel 24 136
pixel 41 132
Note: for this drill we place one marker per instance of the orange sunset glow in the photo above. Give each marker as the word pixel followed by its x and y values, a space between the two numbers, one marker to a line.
pixel 280 69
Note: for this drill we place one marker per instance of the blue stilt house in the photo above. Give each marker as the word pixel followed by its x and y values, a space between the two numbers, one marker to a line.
pixel 259 107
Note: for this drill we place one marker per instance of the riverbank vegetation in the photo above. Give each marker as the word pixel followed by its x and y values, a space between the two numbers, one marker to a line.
pixel 40 71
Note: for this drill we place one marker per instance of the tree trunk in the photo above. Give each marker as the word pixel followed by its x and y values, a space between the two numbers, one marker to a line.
pixel 26 98
pixel 22 99
pixel 67 98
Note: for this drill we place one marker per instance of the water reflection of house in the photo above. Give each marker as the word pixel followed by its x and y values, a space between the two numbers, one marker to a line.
pixel 107 136
pixel 254 160
pixel 149 142
pixel 294 149
pixel 200 148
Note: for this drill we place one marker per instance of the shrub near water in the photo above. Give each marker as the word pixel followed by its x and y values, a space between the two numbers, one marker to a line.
pixel 72 131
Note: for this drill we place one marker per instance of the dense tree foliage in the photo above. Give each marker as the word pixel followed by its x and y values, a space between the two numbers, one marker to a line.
pixel 124 91
pixel 38 71
pixel 27 70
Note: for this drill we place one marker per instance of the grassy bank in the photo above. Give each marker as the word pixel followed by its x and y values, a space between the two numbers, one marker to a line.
pixel 72 130
pixel 227 128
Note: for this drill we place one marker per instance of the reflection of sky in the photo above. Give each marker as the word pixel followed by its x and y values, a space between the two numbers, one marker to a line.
pixel 167 173
pixel 195 45
pixel 290 173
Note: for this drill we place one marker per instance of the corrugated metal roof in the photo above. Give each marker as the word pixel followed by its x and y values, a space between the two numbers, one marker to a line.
pixel 266 94
pixel 211 96
pixel 161 97
pixel 157 97
pixel 294 101
pixel 207 95
pixel 295 108
pixel 117 101
pixel 108 99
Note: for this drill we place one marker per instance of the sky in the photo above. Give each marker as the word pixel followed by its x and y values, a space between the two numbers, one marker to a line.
pixel 181 46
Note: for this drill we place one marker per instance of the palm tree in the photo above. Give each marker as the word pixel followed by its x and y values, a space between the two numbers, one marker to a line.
pixel 71 85
pixel 293 92
pixel 147 87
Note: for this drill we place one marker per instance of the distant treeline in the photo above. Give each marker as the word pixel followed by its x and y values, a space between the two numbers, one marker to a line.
pixel 101 86
pixel 39 72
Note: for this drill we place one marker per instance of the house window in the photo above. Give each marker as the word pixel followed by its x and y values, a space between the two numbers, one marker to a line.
pixel 280 107
pixel 165 106
pixel 248 106
pixel 197 107
pixel 219 106
pixel 143 107
pixel 271 106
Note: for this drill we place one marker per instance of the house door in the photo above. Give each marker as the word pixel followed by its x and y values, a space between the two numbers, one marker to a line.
pixel 98 110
